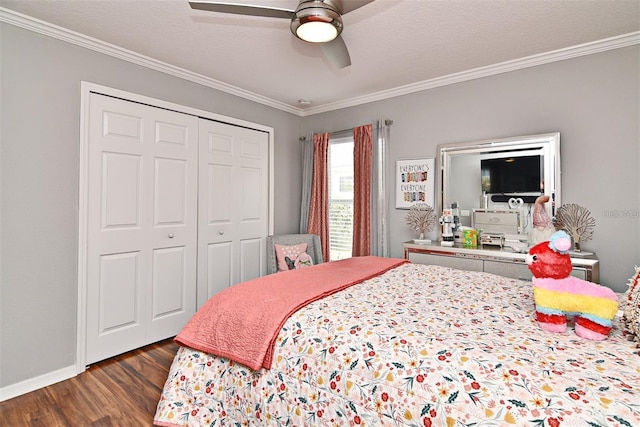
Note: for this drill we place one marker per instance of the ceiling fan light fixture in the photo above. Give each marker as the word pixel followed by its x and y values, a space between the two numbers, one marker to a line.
pixel 317 32
pixel 316 22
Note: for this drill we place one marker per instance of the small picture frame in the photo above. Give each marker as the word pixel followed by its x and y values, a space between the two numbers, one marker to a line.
pixel 415 180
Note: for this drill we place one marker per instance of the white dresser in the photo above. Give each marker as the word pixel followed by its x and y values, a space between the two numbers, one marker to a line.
pixel 492 259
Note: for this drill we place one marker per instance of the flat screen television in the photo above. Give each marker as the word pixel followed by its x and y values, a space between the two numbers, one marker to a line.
pixel 519 174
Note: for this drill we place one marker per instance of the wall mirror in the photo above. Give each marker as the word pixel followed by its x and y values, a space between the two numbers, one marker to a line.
pixel 513 172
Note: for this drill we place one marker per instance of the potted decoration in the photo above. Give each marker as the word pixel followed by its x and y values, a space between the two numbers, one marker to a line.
pixel 577 222
pixel 421 218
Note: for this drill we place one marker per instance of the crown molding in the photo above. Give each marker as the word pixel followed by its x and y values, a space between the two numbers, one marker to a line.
pixel 45 28
pixel 617 42
pixel 51 30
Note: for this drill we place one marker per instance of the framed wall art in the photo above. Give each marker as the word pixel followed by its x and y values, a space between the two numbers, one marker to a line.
pixel 415 182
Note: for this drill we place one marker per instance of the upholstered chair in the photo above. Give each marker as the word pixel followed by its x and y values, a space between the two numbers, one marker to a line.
pixel 314 249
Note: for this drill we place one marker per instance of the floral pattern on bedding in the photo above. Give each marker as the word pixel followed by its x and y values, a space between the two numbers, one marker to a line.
pixel 417 346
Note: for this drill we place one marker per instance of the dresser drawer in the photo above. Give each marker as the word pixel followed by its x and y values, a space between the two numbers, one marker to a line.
pixel 508 269
pixel 447 261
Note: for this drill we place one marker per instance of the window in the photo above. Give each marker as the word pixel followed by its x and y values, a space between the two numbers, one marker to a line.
pixel 340 198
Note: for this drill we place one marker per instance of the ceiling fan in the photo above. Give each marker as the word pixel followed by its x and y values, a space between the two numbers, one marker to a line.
pixel 314 21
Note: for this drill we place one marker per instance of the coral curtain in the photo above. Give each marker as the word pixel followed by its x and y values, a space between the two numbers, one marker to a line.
pixel 362 165
pixel 319 203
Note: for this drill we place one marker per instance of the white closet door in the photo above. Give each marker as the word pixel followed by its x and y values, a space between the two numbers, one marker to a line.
pixel 142 225
pixel 233 207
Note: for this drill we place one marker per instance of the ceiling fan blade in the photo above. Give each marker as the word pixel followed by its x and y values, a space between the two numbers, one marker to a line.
pixel 241 9
pixel 346 6
pixel 336 52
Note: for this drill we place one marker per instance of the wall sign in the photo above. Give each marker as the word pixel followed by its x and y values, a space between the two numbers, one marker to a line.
pixel 415 180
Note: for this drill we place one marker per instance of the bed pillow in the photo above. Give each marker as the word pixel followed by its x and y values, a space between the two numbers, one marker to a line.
pixel 632 305
pixel 288 251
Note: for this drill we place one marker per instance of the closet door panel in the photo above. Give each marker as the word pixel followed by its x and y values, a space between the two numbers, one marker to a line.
pixel 219 186
pixel 233 205
pixel 121 185
pixel 220 267
pixel 169 273
pixel 171 192
pixel 250 250
pixel 141 225
pixel 118 285
pixel 173 297
pixel 172 293
pixel 253 163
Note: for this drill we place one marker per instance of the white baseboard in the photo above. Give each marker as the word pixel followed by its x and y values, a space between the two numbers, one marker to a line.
pixel 32 384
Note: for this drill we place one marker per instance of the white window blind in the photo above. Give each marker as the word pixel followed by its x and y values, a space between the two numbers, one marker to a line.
pixel 340 198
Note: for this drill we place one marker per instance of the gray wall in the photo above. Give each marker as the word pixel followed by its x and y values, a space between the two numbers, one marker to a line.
pixel 39 152
pixel 593 101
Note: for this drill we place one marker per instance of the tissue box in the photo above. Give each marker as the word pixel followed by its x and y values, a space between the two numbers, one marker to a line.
pixel 470 238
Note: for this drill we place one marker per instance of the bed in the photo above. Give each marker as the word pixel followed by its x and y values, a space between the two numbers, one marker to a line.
pixel 410 345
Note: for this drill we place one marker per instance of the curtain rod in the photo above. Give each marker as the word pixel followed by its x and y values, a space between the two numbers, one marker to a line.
pixel 387 122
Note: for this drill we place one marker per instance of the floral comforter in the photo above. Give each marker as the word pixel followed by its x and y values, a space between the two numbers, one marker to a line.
pixel 417 346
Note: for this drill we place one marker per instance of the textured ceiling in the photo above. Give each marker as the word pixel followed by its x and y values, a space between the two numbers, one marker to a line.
pixel 393 43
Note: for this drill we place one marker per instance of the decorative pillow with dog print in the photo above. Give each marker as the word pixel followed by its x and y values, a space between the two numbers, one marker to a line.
pixel 287 254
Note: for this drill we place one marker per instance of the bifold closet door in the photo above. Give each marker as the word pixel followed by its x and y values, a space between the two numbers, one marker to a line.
pixel 233 207
pixel 142 225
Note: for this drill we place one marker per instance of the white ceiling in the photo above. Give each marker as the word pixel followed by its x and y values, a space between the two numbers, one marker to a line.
pixel 394 44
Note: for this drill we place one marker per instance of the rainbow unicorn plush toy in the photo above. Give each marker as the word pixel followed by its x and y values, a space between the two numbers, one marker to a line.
pixel 557 294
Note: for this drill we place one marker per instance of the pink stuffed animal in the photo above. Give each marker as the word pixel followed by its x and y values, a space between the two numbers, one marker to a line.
pixel 558 294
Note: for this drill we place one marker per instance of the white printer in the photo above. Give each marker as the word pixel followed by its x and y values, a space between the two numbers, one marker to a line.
pixel 496 225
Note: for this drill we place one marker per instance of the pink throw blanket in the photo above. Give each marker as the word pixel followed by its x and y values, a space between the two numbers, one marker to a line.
pixel 242 322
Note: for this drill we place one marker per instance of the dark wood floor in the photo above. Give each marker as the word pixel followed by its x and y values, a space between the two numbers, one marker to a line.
pixel 122 391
